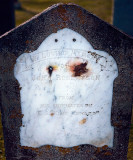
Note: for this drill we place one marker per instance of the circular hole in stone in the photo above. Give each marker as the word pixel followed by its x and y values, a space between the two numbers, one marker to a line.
pixel 56 40
pixel 50 70
pixel 74 40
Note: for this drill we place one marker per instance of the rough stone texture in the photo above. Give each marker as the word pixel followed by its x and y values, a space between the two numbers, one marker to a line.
pixel 102 36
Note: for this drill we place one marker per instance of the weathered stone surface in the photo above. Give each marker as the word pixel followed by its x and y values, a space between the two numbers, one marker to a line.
pixel 102 36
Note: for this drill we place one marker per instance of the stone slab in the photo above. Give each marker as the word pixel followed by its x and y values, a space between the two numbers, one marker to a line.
pixel 102 36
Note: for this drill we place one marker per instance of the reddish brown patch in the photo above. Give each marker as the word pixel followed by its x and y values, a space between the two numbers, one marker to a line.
pixel 47 147
pixel 37 150
pixel 52 114
pixel 56 148
pixel 20 88
pixel 80 15
pixel 29 42
pixel 16 115
pixel 118 124
pixel 64 150
pixel 98 150
pixel 104 147
pixel 34 149
pixel 76 148
pixel 63 15
pixel 54 28
pixel 78 68
pixel 82 121
pixel 108 153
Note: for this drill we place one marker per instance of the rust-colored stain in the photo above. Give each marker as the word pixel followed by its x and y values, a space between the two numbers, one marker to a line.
pixel 52 114
pixel 56 148
pixel 63 150
pixel 82 121
pixel 3 70
pixel 52 25
pixel 102 142
pixel 76 148
pixel 117 124
pixel 12 65
pixel 59 23
pixel 121 57
pixel 131 73
pixel 98 150
pixel 29 42
pixel 16 115
pixel 47 147
pixel 62 12
pixel 37 150
pixel 104 147
pixel 64 18
pixel 33 149
pixel 54 28
pixel 62 25
pixel 78 68
pixel 80 15
pixel 108 153
pixel 20 88
pixel 63 15
pixel 61 9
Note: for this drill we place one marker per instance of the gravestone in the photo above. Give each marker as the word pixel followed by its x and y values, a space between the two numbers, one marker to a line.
pixel 123 16
pixel 66 87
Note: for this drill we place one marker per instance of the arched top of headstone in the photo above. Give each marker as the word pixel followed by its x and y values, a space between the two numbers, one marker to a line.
pixel 31 34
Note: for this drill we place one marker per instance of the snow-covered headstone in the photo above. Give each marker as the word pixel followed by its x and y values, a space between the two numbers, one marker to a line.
pixel 65 78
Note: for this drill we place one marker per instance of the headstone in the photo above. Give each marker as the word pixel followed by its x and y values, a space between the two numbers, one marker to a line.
pixel 7 18
pixel 123 16
pixel 66 79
